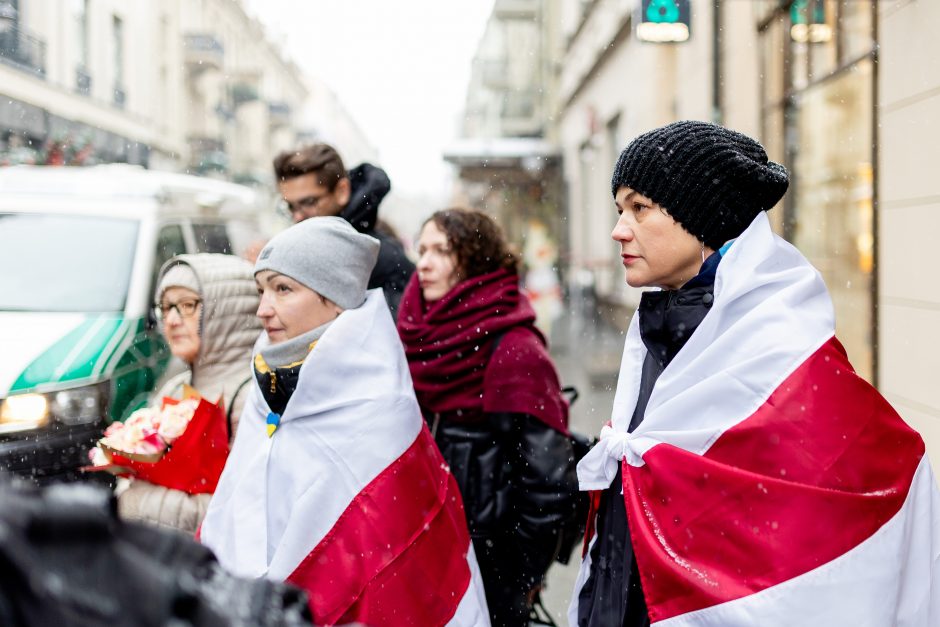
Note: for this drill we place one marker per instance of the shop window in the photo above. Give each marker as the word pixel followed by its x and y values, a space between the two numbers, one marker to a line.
pixel 773 61
pixel 833 201
pixel 823 51
pixel 855 29
pixel 765 9
pixel 799 64
pixel 818 121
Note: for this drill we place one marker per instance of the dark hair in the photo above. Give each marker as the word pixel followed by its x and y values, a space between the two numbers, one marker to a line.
pixel 319 159
pixel 477 241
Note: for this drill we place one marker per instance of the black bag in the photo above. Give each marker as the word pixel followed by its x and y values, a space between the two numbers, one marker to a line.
pixel 66 559
pixel 572 533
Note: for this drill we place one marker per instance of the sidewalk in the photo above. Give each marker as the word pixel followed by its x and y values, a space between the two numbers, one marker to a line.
pixel 587 352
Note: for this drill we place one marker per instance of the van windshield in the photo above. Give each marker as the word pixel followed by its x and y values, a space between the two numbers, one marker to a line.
pixel 65 263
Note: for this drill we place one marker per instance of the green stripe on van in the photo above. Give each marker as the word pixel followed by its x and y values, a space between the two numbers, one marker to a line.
pixel 72 357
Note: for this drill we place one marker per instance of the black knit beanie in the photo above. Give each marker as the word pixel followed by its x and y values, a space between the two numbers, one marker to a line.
pixel 712 180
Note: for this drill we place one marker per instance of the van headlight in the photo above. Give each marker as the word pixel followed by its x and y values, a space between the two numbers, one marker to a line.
pixel 74 406
pixel 23 411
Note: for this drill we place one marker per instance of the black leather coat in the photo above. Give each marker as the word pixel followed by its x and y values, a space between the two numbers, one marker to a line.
pixel 519 486
pixel 613 593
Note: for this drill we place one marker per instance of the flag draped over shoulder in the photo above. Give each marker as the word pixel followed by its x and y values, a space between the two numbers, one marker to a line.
pixel 350 498
pixel 768 484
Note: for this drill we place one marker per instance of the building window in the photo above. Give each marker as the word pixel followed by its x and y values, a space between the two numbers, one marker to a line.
pixel 82 71
pixel 80 12
pixel 117 34
pixel 818 104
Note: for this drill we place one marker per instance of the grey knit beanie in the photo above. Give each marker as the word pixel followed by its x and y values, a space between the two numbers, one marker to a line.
pixel 712 180
pixel 327 255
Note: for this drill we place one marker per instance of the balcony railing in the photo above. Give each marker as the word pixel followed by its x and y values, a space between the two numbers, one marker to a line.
pixel 279 113
pixel 243 93
pixel 207 154
pixel 82 81
pixel 120 97
pixel 203 51
pixel 519 105
pixel 493 73
pixel 24 51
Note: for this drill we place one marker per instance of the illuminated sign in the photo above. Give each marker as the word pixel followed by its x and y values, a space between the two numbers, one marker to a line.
pixel 808 22
pixel 664 21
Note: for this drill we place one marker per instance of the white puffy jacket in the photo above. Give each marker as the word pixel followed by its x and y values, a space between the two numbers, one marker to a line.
pixel 228 329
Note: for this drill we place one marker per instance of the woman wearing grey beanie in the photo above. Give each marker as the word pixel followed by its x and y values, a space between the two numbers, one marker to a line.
pixel 748 476
pixel 205 307
pixel 334 483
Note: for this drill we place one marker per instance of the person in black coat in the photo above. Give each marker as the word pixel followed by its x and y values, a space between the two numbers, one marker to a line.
pixel 613 595
pixel 314 182
pixel 490 393
pixel 683 193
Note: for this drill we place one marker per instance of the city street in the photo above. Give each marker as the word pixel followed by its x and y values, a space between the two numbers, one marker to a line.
pixel 209 209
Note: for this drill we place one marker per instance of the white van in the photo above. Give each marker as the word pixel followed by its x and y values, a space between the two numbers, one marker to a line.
pixel 79 252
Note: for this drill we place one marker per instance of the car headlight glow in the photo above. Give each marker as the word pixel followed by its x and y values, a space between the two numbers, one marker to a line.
pixel 23 411
pixel 75 406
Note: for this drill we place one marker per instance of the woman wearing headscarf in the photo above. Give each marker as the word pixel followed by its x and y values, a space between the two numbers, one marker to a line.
pixel 334 483
pixel 490 393
pixel 748 476
pixel 205 306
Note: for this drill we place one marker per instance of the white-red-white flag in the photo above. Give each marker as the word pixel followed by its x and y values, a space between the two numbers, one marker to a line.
pixel 769 484
pixel 350 498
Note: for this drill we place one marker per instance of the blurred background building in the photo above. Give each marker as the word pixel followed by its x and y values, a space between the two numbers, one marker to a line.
pixel 184 85
pixel 243 97
pixel 324 118
pixel 506 159
pixel 840 91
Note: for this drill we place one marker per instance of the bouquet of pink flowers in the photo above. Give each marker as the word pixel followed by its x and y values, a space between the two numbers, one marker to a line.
pixel 147 433
pixel 181 445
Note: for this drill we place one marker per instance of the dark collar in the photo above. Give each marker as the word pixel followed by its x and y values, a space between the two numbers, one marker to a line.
pixel 668 318
pixel 706 275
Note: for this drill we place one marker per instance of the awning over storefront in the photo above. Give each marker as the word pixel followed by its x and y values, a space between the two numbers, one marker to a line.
pixel 506 152
pixel 35 122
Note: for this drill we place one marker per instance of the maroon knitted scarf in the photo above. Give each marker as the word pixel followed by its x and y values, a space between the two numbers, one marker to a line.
pixel 449 344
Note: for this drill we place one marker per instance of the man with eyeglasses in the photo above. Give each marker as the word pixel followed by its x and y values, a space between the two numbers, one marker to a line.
pixel 313 181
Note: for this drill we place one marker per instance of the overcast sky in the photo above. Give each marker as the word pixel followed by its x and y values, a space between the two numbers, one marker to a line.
pixel 400 67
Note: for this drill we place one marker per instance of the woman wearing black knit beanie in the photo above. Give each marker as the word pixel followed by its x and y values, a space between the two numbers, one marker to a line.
pixel 748 476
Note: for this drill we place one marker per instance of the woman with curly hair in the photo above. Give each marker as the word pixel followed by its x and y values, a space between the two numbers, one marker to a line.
pixel 489 391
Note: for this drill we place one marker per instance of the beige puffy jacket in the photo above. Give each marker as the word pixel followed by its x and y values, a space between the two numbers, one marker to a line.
pixel 228 329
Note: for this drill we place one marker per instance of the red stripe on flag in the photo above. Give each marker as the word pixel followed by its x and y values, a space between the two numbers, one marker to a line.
pixel 816 470
pixel 424 586
pixel 590 527
pixel 397 554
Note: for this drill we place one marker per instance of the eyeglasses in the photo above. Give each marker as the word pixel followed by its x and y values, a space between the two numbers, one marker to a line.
pixel 184 309
pixel 303 205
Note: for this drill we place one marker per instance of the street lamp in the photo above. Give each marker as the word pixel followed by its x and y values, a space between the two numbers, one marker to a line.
pixel 7 17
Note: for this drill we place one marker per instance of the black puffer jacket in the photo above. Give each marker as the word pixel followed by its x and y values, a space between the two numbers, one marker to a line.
pixel 613 594
pixel 368 186
pixel 517 477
